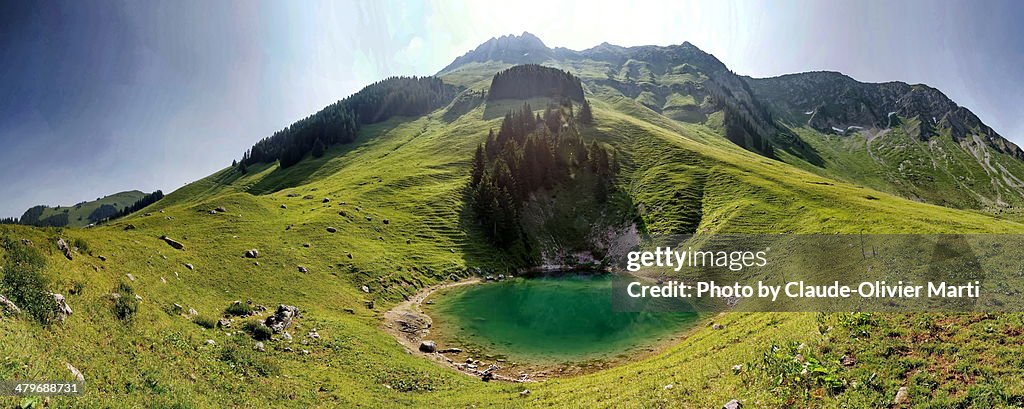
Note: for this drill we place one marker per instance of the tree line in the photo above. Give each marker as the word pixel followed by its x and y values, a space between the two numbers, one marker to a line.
pixel 140 204
pixel 531 153
pixel 532 80
pixel 339 122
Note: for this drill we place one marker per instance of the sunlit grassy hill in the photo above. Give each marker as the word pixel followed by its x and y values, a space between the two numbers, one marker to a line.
pixel 395 199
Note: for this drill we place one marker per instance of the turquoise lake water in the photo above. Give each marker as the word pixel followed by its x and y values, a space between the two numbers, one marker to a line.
pixel 559 318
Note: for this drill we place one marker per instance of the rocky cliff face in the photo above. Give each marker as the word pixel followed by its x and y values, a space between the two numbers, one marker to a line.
pixel 831 102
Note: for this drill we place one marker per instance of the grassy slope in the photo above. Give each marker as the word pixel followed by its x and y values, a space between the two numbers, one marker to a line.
pixel 78 215
pixel 412 172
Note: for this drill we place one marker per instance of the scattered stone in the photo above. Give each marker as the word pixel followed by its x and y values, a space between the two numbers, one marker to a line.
pixel 450 351
pixel 305 352
pixel 189 266
pixel 303 269
pixel 147 214
pixel 902 396
pixel 366 289
pixel 130 277
pixel 211 342
pixel 282 319
pixel 177 308
pixel 332 230
pixel 369 219
pixel 129 226
pixel 452 250
pixel 369 304
pixel 192 312
pixel 172 243
pixel 525 392
pixel 213 211
pixel 256 263
pixel 349 256
pixel 102 258
pixel 223 323
pixel 75 372
pixel 284 206
pixel 287 337
pixel 342 213
pixel 733 404
pixel 63 310
pixel 26 242
pixel 736 369
pixel 487 377
pixel 313 334
pixel 327 200
pixel 252 253
pixel 307 197
pixel 138 297
pixel 306 245
pixel 349 311
pixel 669 386
pixel 221 209
pixel 9 306
pixel 717 327
pixel 63 246
pixel 386 221
pixel 407 241
pixel 259 347
pixel 428 347
pixel 847 360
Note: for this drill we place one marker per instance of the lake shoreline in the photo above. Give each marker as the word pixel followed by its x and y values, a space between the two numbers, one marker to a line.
pixel 410 324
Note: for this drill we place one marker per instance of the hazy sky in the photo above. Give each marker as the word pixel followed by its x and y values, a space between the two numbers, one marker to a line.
pixel 98 97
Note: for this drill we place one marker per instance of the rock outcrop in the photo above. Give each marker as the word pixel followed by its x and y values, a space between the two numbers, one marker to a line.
pixel 282 318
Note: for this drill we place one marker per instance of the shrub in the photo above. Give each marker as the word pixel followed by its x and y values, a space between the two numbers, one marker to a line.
pixel 239 309
pixel 24 283
pixel 82 246
pixel 247 361
pixel 126 305
pixel 258 331
pixel 205 322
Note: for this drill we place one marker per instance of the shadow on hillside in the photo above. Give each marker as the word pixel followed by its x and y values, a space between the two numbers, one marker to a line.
pixel 302 172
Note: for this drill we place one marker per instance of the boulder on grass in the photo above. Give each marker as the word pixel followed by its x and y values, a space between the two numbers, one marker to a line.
pixel 252 253
pixel 428 347
pixel 282 318
pixel 173 243
pixel 63 309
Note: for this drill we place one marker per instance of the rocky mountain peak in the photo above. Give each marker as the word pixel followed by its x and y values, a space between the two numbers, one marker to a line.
pixel 525 48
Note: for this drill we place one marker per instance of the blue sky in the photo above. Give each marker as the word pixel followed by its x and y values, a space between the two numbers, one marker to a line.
pixel 103 96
